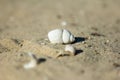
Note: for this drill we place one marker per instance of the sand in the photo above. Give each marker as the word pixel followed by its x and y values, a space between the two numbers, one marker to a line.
pixel 24 25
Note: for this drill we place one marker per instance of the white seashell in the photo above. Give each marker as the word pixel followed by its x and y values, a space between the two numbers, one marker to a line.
pixel 32 63
pixel 60 36
pixel 71 49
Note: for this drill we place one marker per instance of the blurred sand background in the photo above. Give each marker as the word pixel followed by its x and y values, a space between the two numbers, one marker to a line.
pixel 24 25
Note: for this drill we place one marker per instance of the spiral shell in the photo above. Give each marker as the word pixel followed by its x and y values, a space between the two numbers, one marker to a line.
pixel 60 36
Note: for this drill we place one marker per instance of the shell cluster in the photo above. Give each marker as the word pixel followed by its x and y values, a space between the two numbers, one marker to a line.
pixel 60 36
pixel 54 36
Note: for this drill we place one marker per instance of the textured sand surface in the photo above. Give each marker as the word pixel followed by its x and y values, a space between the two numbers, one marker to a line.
pixel 24 25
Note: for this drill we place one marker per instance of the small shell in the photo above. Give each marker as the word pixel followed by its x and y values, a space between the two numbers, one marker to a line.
pixel 71 49
pixel 32 63
pixel 60 36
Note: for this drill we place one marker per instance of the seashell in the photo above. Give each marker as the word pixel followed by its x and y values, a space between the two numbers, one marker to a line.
pixel 60 36
pixel 70 49
pixel 32 63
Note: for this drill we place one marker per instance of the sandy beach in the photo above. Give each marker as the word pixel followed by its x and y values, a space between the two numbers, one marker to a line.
pixel 24 26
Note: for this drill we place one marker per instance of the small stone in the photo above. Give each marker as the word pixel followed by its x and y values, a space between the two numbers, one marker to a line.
pixel 63 23
pixel 107 41
pixel 43 43
pixel 83 42
pixel 89 38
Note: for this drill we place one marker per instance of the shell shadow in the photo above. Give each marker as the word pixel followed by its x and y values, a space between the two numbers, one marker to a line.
pixel 41 60
pixel 79 39
pixel 78 52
